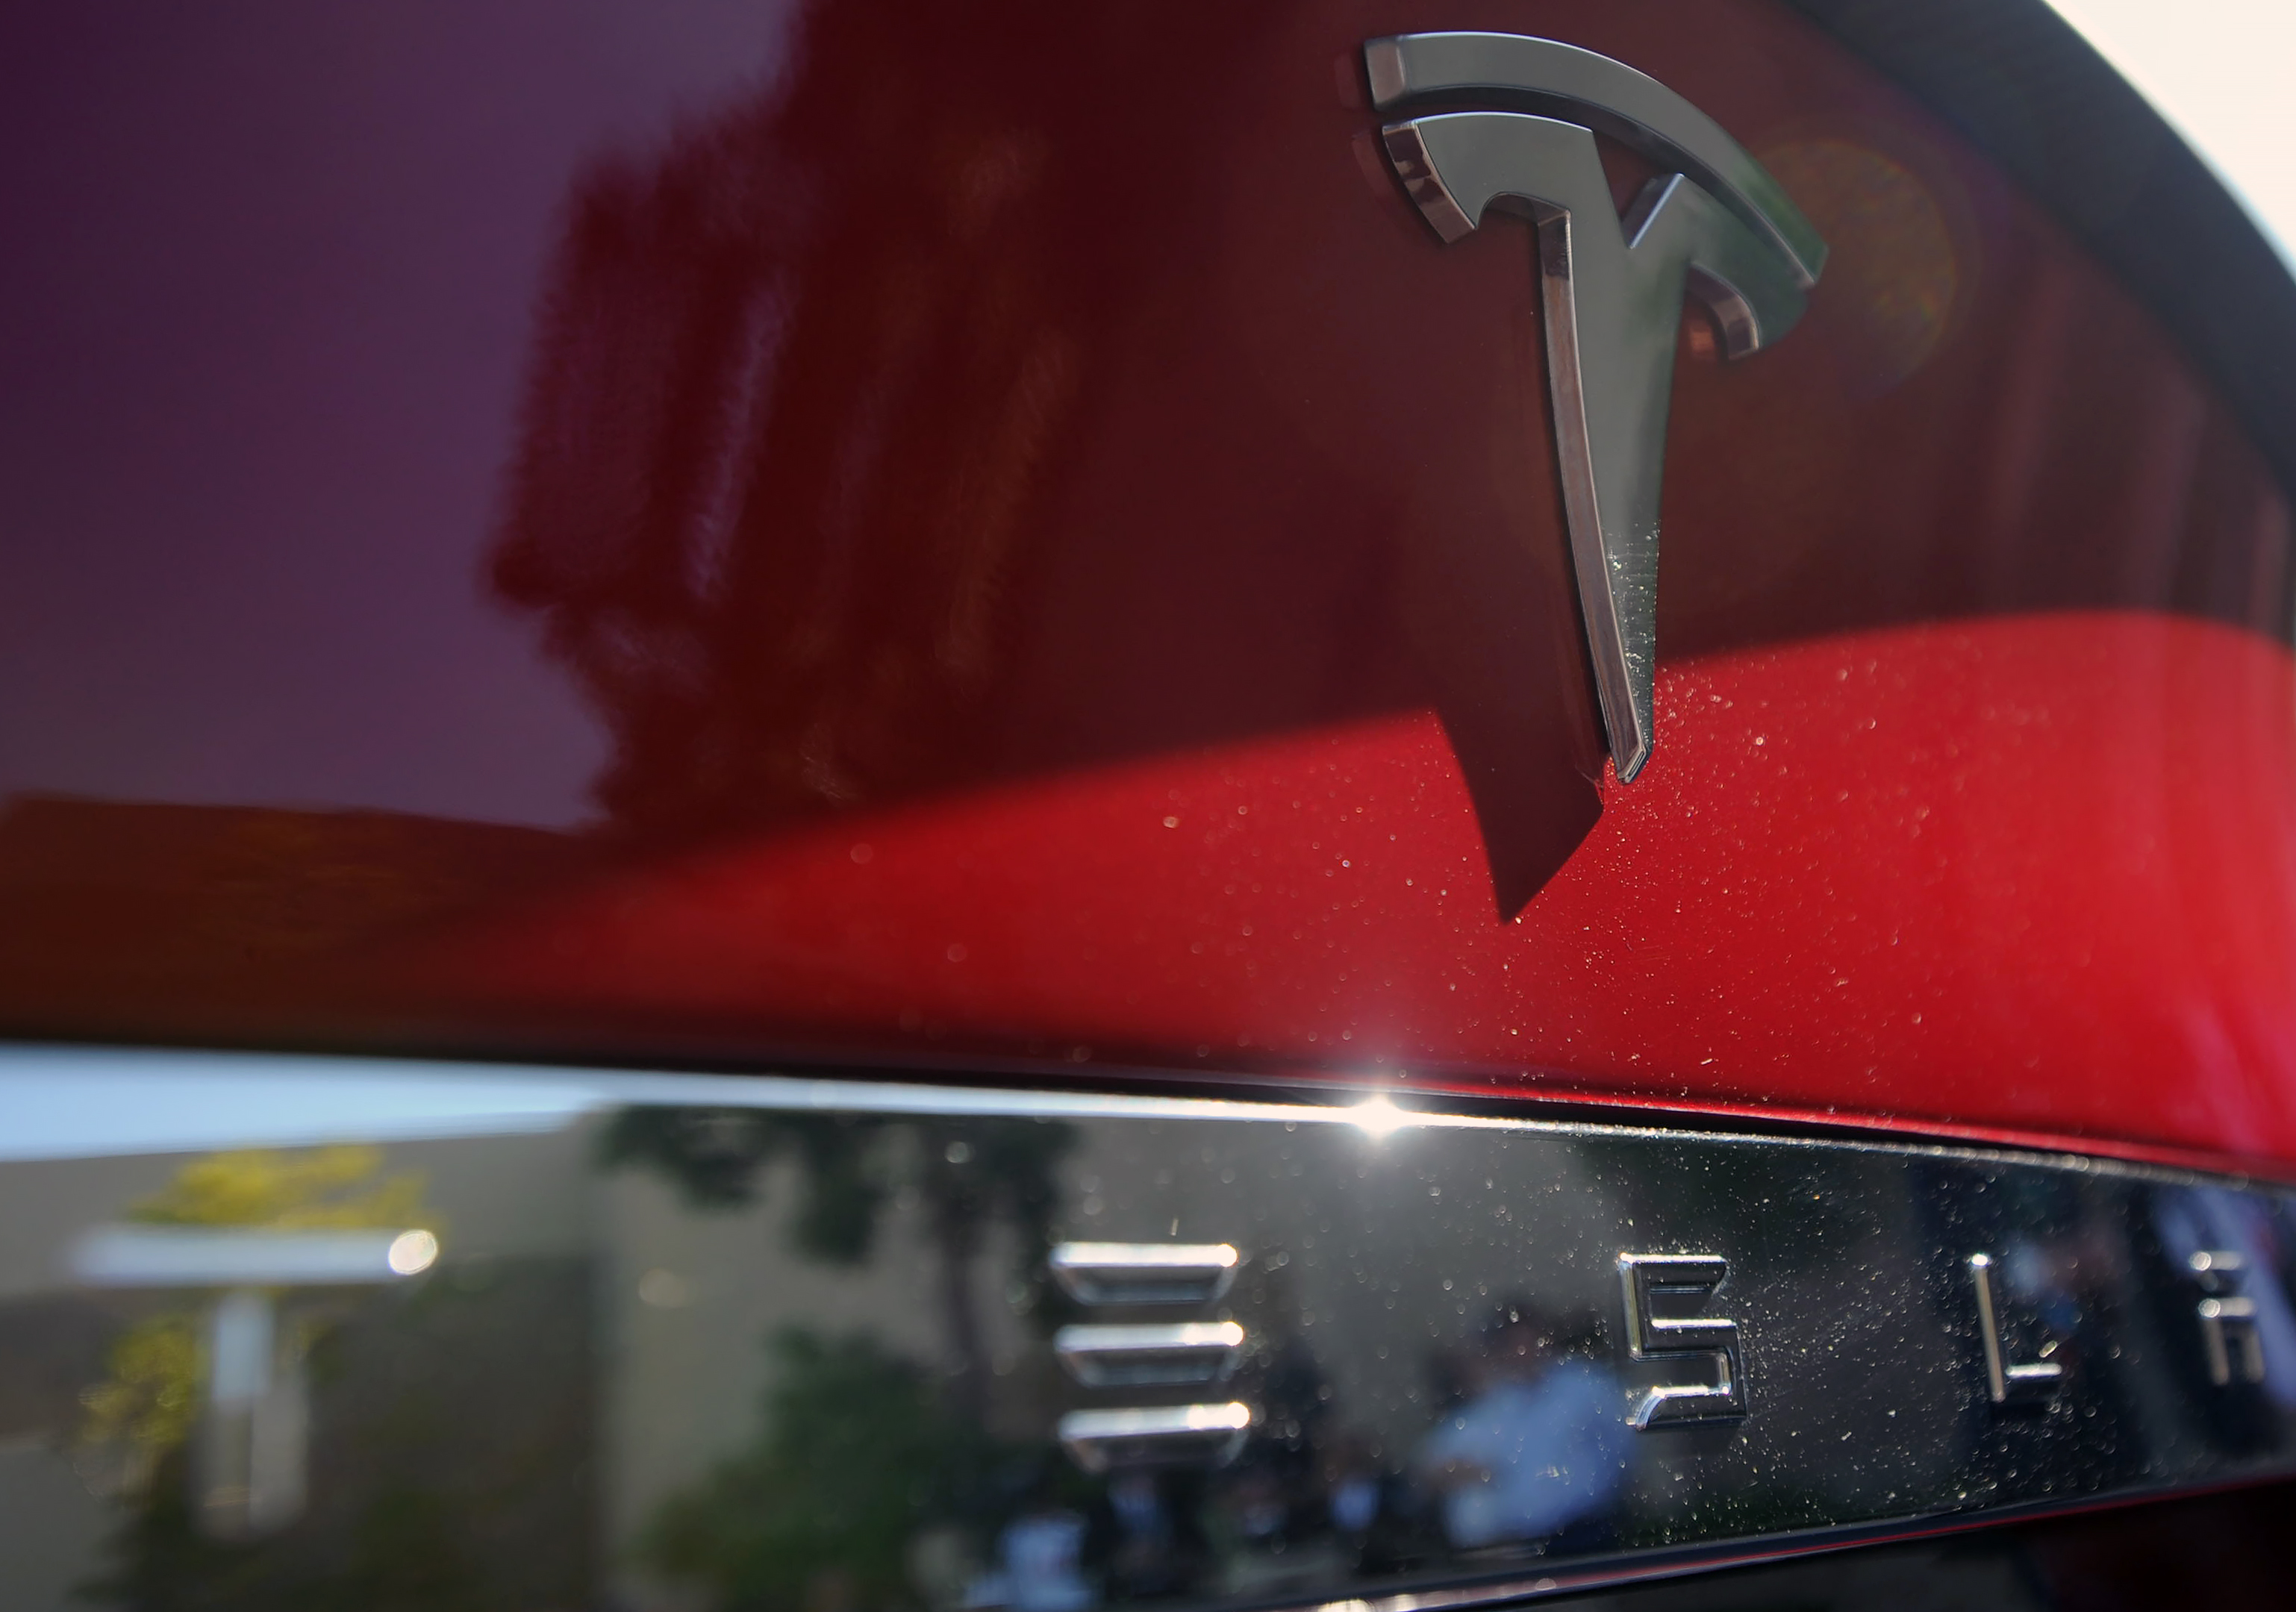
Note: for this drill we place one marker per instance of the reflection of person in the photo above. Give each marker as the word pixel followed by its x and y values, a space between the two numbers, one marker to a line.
pixel 1143 1541
pixel 1041 1551
pixel 1353 1487
pixel 1538 1447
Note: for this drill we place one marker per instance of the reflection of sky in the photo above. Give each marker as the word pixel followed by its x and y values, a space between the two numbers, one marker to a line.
pixel 69 1103
pixel 2218 69
pixel 1552 1451
pixel 264 315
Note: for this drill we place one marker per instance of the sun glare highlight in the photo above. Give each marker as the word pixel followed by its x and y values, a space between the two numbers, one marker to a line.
pixel 1378 1117
pixel 413 1252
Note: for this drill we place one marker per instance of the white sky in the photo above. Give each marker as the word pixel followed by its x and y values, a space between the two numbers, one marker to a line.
pixel 2224 73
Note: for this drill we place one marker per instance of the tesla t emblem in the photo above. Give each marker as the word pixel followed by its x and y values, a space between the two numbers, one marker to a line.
pixel 1712 223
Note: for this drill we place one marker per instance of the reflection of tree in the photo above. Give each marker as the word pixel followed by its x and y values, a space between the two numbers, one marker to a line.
pixel 963 408
pixel 809 426
pixel 408 1553
pixel 796 390
pixel 859 1450
pixel 859 1453
pixel 966 1175
pixel 451 1466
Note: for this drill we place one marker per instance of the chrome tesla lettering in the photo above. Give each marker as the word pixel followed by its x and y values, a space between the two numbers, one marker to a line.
pixel 1154 1435
pixel 1647 1278
pixel 1172 1352
pixel 2007 1382
pixel 1123 1275
pixel 1713 223
pixel 1144 1273
pixel 2227 1318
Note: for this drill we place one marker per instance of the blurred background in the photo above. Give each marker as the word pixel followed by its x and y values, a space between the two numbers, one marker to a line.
pixel 2219 70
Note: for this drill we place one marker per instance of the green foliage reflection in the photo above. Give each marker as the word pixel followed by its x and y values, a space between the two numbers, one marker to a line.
pixel 859 1454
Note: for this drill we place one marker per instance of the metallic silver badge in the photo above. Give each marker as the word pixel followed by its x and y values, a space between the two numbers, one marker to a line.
pixel 1713 223
pixel 2007 1381
pixel 1121 1275
pixel 1650 1335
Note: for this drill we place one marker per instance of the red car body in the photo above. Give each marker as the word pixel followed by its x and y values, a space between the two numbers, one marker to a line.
pixel 995 544
pixel 1067 566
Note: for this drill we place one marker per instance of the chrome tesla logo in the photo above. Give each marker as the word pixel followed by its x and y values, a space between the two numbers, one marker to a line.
pixel 1713 223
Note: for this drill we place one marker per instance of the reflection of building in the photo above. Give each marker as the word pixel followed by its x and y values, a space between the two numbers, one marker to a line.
pixel 445 1411
pixel 587 1344
pixel 253 1460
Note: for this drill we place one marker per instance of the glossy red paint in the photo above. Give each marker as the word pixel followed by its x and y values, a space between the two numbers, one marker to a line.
pixel 1991 872
pixel 1049 427
pixel 1068 567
